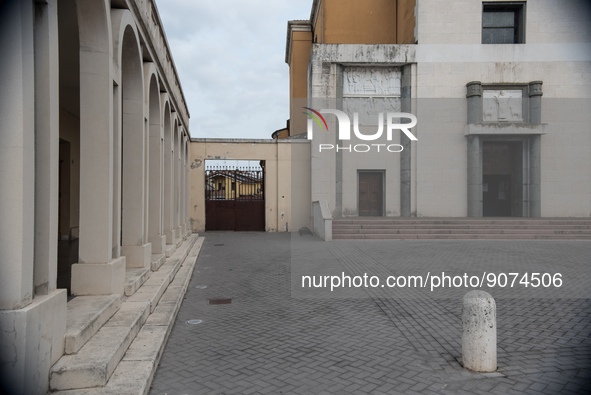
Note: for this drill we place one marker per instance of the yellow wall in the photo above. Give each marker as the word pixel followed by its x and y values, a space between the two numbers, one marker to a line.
pixel 406 22
pixel 357 22
pixel 301 45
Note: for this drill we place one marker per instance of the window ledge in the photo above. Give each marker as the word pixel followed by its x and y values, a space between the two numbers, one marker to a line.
pixel 495 128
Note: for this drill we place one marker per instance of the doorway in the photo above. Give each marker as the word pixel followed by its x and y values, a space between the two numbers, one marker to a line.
pixel 502 179
pixel 235 197
pixel 371 193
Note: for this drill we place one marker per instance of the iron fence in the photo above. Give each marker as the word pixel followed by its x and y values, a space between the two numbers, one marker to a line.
pixel 234 183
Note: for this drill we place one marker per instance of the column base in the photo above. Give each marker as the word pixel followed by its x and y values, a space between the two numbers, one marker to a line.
pixel 99 278
pixel 32 340
pixel 179 232
pixel 170 236
pixel 158 244
pixel 137 256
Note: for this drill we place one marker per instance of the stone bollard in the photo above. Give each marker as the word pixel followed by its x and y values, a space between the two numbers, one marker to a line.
pixel 479 332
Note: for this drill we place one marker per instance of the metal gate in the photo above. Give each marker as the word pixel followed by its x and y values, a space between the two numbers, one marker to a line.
pixel 235 198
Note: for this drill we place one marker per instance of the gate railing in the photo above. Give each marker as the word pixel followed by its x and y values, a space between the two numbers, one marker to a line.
pixel 234 183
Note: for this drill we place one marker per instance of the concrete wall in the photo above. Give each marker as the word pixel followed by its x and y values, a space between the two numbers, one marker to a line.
pixel 287 178
pixel 334 174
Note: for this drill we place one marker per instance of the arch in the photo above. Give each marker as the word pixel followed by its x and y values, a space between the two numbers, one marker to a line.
pixel 155 162
pixel 134 243
pixel 168 174
pixel 121 20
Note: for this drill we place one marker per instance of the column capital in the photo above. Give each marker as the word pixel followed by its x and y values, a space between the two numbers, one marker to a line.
pixel 474 88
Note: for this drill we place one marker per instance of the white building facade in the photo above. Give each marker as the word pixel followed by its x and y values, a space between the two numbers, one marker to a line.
pixel 500 90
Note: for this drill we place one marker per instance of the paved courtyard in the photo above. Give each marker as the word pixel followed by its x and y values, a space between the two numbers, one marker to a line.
pixel 276 338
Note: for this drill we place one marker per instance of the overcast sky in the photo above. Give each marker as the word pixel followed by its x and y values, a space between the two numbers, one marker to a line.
pixel 230 56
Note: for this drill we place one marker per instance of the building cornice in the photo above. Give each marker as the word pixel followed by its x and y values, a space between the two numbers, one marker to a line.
pixel 294 26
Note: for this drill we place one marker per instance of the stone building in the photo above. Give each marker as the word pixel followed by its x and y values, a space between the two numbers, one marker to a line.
pixel 94 152
pixel 499 90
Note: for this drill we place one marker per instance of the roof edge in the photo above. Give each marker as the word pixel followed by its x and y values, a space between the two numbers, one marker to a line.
pixel 297 25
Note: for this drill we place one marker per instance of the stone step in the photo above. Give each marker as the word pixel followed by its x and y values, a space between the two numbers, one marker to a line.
pixel 457 226
pixel 134 278
pixel 411 236
pixel 155 286
pixel 86 315
pixel 170 249
pixel 97 359
pixel 157 261
pixel 464 221
pixel 135 371
pixel 549 231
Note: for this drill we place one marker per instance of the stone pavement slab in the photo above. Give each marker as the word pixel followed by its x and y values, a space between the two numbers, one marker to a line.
pixel 269 339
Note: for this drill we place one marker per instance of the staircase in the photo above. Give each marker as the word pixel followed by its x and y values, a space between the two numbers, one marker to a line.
pixel 462 228
pixel 113 343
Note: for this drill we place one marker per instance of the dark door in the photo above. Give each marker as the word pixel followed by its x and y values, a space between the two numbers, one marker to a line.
pixel 371 193
pixel 496 195
pixel 501 179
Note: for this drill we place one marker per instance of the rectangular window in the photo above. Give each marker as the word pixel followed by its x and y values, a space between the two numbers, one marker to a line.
pixel 503 23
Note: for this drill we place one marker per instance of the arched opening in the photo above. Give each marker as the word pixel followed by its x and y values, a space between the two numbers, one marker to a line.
pixel 155 168
pixel 132 153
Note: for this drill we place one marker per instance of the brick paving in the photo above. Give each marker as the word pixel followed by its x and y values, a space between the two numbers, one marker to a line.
pixel 277 339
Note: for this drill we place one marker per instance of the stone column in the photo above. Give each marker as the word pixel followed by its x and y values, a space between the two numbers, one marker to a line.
pixel 405 155
pixel 474 176
pixel 177 180
pixel 535 116
pixel 535 177
pixel 46 147
pixel 32 326
pixel 535 102
pixel 474 96
pixel 96 273
pixel 17 155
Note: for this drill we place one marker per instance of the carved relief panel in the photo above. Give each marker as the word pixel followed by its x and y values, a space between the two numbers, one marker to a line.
pixel 502 105
pixel 371 81
pixel 369 91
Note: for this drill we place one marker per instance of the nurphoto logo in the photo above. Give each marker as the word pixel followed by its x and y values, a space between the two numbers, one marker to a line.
pixel 391 123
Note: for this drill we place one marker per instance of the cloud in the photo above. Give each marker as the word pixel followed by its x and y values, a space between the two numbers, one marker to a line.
pixel 230 58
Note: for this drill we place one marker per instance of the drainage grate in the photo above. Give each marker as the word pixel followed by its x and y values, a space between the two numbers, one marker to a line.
pixel 219 301
pixel 218 245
